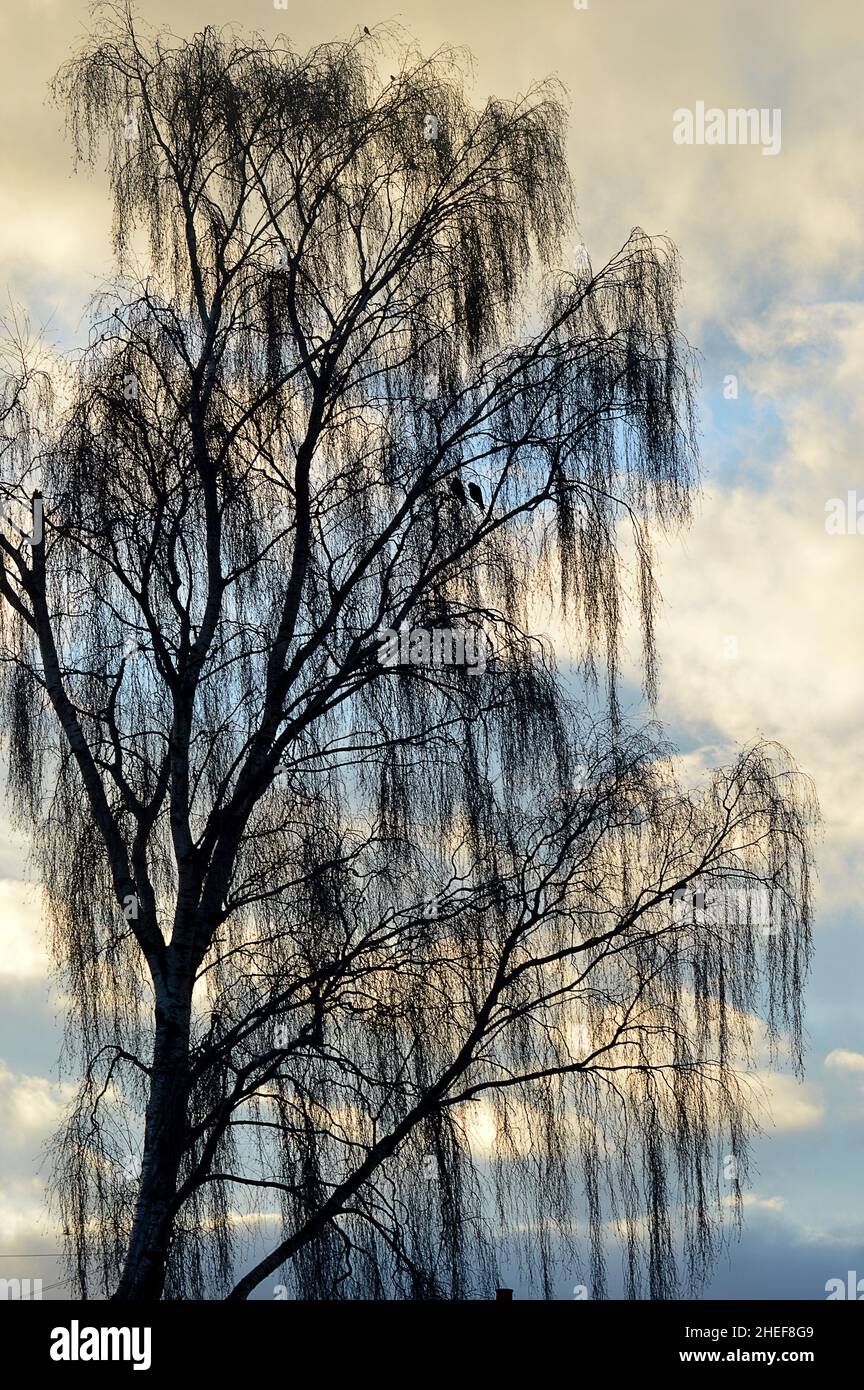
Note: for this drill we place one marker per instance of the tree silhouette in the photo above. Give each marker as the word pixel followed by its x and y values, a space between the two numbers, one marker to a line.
pixel 399 946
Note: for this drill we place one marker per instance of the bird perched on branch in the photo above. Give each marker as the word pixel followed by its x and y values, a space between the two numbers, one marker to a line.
pixel 476 495
pixel 213 1031
pixel 315 1030
pixel 457 487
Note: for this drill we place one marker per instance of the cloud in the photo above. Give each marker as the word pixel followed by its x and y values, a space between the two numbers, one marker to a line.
pixel 22 948
pixel 842 1060
pixel 30 1109
pixel 756 632
pixel 22 1218
pixel 753 1200
pixel 781 1102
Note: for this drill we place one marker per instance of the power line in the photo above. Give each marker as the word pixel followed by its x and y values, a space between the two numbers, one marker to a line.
pixel 33 1298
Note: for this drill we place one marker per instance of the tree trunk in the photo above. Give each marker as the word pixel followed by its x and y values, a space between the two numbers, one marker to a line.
pixel 143 1276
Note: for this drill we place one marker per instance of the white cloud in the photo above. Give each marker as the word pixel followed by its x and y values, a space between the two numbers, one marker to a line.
pixel 757 1203
pixel 23 952
pixel 842 1060
pixel 781 1102
pixel 30 1109
pixel 758 566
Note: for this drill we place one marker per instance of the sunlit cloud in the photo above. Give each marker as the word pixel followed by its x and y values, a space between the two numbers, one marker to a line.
pixel 783 1103
pixel 842 1060
pixel 23 953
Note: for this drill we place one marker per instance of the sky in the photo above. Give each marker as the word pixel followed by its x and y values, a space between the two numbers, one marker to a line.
pixel 761 629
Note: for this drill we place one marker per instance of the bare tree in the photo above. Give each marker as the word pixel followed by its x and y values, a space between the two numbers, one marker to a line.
pixel 392 943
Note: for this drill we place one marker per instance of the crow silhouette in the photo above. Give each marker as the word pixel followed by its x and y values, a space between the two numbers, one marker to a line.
pixel 212 1031
pixel 476 495
pixel 457 487
pixel 315 1029
pixel 365 30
